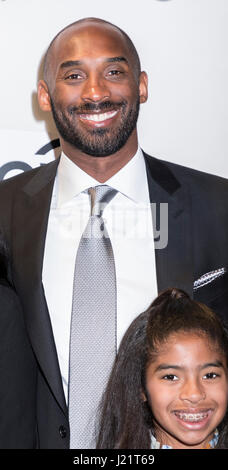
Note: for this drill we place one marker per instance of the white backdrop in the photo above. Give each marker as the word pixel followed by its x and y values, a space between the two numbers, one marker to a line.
pixel 183 47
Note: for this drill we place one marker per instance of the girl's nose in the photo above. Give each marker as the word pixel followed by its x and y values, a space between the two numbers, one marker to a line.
pixel 192 391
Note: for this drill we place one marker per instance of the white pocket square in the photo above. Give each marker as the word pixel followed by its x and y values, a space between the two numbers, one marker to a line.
pixel 208 277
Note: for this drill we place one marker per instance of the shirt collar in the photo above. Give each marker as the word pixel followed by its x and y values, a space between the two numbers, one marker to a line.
pixel 131 180
pixel 211 445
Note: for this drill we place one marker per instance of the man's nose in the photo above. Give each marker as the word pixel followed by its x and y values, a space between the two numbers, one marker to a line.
pixel 95 89
pixel 192 390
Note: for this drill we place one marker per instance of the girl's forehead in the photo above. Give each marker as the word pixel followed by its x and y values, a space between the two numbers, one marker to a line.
pixel 189 348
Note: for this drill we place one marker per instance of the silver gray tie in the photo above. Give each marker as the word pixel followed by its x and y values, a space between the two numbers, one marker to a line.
pixel 93 322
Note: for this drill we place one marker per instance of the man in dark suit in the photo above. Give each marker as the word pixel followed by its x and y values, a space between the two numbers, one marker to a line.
pixel 93 84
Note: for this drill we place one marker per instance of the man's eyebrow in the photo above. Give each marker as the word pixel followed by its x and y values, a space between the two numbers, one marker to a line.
pixel 77 63
pixel 117 59
pixel 70 63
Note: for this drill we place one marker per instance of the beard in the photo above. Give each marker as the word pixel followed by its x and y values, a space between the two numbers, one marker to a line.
pixel 100 142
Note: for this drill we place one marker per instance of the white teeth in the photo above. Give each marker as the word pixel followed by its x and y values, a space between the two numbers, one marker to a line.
pixel 192 416
pixel 98 117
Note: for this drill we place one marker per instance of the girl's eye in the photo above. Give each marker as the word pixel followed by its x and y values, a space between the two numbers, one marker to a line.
pixel 170 377
pixel 211 375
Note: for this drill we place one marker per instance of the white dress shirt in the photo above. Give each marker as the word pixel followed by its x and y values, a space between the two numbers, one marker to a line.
pixel 129 223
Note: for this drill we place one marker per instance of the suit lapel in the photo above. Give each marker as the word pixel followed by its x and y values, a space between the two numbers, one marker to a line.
pixel 30 218
pixel 174 263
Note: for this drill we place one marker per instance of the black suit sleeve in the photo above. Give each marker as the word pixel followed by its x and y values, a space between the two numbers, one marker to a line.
pixel 17 376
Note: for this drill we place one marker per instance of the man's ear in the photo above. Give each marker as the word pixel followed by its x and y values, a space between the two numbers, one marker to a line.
pixel 43 96
pixel 143 87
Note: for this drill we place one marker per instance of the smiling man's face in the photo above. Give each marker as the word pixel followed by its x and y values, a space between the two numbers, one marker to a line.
pixel 93 90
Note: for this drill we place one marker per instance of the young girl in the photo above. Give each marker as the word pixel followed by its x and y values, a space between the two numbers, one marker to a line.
pixel 169 384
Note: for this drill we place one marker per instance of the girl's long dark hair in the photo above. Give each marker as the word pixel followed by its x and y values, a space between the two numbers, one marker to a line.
pixel 126 420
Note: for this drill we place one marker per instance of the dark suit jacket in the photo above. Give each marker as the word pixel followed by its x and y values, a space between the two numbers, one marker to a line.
pixel 17 376
pixel 197 244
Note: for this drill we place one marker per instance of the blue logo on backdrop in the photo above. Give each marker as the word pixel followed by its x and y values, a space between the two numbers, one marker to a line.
pixel 18 165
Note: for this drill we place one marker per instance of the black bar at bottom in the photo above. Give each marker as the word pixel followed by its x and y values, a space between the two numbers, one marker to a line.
pixel 113 459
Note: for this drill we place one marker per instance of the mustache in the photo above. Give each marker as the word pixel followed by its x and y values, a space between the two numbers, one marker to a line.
pixel 103 106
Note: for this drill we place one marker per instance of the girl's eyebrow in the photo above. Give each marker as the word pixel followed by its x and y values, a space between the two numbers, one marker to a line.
pixel 212 364
pixel 167 366
pixel 203 366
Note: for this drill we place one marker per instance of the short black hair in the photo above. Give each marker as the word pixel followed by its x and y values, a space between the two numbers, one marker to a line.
pixel 132 49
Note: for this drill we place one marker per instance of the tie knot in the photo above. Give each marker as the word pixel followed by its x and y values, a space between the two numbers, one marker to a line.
pixel 100 196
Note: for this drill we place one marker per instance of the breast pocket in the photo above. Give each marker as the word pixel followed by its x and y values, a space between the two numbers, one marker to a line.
pixel 215 295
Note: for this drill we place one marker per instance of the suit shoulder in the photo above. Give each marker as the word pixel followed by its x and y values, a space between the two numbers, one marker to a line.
pixel 14 183
pixel 18 180
pixel 199 175
pixel 192 177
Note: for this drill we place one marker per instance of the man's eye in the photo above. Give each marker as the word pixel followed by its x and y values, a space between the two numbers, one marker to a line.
pixel 114 72
pixel 170 377
pixel 211 375
pixel 73 76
